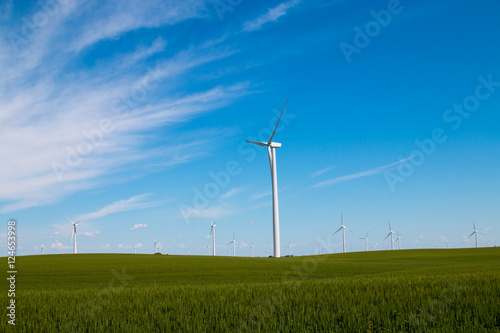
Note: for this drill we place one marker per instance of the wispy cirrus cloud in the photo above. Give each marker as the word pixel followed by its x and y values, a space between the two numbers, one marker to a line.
pixel 53 100
pixel 321 172
pixel 130 204
pixel 272 15
pixel 361 174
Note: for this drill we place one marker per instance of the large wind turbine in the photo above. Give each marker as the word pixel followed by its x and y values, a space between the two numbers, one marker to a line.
pixel 343 228
pixel 73 234
pixel 366 241
pixel 234 246
pixel 212 235
pixel 271 150
pixel 390 234
pixel 475 232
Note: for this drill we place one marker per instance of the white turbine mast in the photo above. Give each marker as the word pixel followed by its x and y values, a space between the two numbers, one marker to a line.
pixel 234 246
pixel 343 228
pixel 271 150
pixel 475 232
pixel 398 239
pixel 251 248
pixel 391 232
pixel 212 236
pixel 73 234
pixel 366 241
pixel 43 249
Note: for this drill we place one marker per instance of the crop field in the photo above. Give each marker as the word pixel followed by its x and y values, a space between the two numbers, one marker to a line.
pixel 387 291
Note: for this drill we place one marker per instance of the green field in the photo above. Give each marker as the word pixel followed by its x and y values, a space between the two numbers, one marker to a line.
pixel 386 291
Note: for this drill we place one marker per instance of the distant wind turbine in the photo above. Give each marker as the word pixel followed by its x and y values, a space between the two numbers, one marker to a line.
pixel 366 241
pixel 398 239
pixel 212 235
pixel 390 234
pixel 251 248
pixel 73 234
pixel 234 246
pixel 343 228
pixel 475 232
pixel 135 249
pixel 188 252
pixel 207 247
pixel 43 249
pixel 289 246
pixel 271 150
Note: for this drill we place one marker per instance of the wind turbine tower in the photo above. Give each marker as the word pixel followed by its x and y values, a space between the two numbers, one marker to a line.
pixel 475 232
pixel 398 239
pixel 73 234
pixel 234 246
pixel 271 150
pixel 390 234
pixel 343 228
pixel 366 241
pixel 43 249
pixel 212 234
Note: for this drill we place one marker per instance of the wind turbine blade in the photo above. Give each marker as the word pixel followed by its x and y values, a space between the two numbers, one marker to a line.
pixel 471 234
pixel 262 144
pixel 474 224
pixel 337 231
pixel 387 236
pixel 367 234
pixel 70 220
pixel 389 226
pixel 272 136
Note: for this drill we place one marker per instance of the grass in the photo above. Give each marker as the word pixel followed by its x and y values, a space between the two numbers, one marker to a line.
pixel 387 291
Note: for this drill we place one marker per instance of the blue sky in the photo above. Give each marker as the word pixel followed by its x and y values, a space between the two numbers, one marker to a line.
pixel 133 116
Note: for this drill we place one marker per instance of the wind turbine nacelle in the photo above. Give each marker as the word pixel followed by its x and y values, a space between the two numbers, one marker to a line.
pixel 275 145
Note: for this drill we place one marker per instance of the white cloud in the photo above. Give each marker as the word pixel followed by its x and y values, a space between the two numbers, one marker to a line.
pixel 321 172
pixel 59 246
pixel 132 203
pixel 47 119
pixel 116 18
pixel 231 193
pixel 272 15
pixel 90 234
pixel 138 245
pixel 215 212
pixel 139 226
pixel 106 246
pixel 444 239
pixel 121 246
pixel 370 172
pixel 250 222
